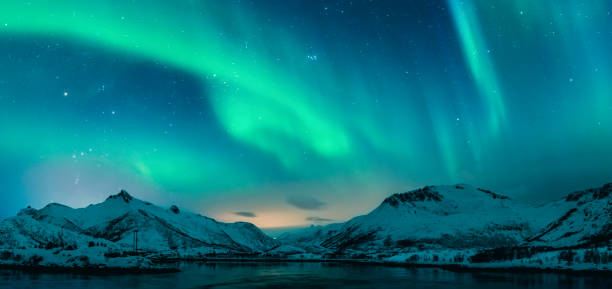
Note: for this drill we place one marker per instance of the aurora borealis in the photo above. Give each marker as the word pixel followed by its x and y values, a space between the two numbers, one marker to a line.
pixel 243 106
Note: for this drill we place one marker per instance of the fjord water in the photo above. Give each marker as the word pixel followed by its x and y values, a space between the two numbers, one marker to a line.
pixel 303 275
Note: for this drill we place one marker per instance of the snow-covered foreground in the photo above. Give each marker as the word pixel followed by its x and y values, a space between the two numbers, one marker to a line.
pixel 435 226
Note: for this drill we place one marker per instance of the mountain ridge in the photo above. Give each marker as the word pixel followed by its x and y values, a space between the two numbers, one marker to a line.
pixel 434 225
pixel 116 225
pixel 465 217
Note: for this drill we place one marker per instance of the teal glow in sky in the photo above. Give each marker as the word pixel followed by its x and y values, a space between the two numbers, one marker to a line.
pixel 248 106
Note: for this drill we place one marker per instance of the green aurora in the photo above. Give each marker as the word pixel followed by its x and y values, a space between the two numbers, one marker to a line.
pixel 225 106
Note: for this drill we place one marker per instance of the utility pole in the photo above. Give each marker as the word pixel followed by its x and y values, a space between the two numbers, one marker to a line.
pixel 135 241
pixel 61 237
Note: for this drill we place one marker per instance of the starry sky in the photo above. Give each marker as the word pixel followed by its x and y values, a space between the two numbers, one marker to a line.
pixel 289 113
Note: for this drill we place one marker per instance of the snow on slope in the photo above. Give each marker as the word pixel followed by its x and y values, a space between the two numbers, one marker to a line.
pixel 464 217
pixel 434 225
pixel 118 219
pixel 585 219
pixel 459 216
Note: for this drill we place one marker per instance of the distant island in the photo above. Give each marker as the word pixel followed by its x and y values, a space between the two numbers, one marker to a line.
pixel 457 226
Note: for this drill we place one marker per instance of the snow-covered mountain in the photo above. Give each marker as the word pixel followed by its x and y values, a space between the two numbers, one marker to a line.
pixel 121 219
pixel 462 217
pixel 459 216
pixel 436 225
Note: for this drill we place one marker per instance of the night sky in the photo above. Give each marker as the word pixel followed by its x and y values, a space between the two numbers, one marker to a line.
pixel 287 113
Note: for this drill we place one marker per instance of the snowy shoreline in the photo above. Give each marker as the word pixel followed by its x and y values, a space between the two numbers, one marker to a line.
pixel 510 266
pixel 480 267
pixel 92 270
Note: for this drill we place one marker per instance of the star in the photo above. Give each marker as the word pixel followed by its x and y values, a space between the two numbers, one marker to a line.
pixel 312 57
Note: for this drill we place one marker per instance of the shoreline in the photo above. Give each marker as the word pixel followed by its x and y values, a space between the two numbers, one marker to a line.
pixel 92 271
pixel 448 267
pixel 460 268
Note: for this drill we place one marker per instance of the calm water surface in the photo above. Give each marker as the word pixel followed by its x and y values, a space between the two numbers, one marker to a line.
pixel 303 275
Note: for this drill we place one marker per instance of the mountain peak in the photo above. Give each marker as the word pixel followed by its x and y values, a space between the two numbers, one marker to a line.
pixel 424 194
pixel 124 195
pixel 494 195
pixel 439 193
pixel 27 211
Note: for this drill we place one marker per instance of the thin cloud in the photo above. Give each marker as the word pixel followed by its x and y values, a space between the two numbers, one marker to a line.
pixel 318 219
pixel 305 202
pixel 246 214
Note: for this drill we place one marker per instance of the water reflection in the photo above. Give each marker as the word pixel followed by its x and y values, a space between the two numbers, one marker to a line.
pixel 303 275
